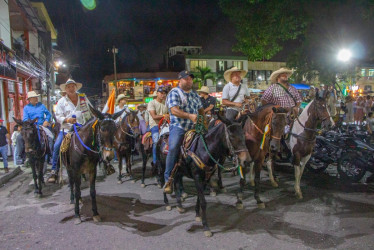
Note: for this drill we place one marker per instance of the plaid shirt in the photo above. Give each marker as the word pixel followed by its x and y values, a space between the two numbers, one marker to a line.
pixel 191 104
pixel 275 94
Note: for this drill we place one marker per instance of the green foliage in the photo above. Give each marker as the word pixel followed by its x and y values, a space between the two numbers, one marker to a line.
pixel 202 75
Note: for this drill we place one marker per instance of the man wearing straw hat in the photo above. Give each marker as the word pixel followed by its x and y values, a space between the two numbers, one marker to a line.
pixel 234 93
pixel 71 104
pixel 281 92
pixel 207 100
pixel 121 104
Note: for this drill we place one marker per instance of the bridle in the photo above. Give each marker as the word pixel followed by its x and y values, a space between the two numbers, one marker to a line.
pixel 267 123
pixel 39 137
pixel 320 119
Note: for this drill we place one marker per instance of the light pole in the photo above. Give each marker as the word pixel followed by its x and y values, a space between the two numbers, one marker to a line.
pixel 115 51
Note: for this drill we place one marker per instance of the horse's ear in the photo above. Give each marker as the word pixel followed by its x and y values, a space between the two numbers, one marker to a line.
pixel 19 122
pixel 224 120
pixel 242 119
pixel 33 120
pixel 127 113
pixel 96 113
pixel 118 114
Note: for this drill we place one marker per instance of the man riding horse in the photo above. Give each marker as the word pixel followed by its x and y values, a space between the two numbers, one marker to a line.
pixel 69 105
pixel 184 105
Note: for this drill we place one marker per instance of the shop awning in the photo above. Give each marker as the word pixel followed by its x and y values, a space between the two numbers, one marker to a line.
pixel 300 86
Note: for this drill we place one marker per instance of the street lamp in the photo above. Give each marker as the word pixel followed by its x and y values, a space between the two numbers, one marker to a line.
pixel 115 51
pixel 344 55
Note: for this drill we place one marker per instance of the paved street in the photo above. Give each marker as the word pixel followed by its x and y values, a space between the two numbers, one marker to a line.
pixel 332 215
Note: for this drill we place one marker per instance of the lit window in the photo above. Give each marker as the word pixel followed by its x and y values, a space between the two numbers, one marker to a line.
pixel 371 72
pixel 220 66
pixel 197 63
pixel 238 64
pixel 363 72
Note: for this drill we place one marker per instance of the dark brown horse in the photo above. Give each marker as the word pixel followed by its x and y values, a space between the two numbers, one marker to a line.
pixel 36 148
pixel 303 135
pixel 124 141
pixel 90 144
pixel 215 148
pixel 145 145
pixel 263 131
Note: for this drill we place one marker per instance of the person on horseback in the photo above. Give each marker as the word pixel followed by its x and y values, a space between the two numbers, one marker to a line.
pixel 208 101
pixel 281 92
pixel 71 104
pixel 234 93
pixel 121 104
pixel 184 105
pixel 157 110
pixel 36 109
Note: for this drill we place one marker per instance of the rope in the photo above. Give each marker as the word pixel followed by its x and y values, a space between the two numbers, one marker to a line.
pixel 80 140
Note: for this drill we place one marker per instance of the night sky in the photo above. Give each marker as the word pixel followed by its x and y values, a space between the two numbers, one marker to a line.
pixel 141 29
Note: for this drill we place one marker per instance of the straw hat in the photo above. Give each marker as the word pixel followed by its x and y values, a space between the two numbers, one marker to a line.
pixel 69 81
pixel 204 89
pixel 32 94
pixel 227 74
pixel 275 74
pixel 120 97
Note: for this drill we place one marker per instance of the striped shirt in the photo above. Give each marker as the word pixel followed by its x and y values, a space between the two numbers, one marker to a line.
pixel 187 102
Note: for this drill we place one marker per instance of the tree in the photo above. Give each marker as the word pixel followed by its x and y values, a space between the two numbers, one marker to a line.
pixel 311 32
pixel 202 75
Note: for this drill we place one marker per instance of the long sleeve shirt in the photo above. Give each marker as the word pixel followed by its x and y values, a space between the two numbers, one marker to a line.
pixel 39 111
pixel 65 108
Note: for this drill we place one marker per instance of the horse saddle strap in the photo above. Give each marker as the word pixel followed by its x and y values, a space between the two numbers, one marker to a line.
pixel 189 138
pixel 196 159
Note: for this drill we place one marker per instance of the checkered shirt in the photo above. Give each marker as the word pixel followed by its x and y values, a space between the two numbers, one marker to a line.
pixel 275 94
pixel 191 105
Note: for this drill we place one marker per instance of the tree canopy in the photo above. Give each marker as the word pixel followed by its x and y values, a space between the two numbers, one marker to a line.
pixel 308 33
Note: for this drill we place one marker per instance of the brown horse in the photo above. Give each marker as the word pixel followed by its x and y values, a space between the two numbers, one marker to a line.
pixel 124 141
pixel 269 120
pixel 303 135
pixel 89 144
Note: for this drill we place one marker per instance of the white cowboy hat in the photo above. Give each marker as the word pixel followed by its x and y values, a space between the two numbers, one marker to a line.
pixel 227 74
pixel 275 74
pixel 69 81
pixel 120 97
pixel 204 89
pixel 32 94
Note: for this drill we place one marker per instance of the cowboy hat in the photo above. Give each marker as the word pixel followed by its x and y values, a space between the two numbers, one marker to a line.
pixel 204 89
pixel 227 74
pixel 69 81
pixel 275 74
pixel 120 97
pixel 32 94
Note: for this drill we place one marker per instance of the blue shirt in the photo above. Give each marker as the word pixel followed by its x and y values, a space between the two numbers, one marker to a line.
pixel 39 111
pixel 189 103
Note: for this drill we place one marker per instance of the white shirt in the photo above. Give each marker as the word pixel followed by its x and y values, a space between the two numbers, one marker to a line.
pixel 230 90
pixel 118 109
pixel 66 109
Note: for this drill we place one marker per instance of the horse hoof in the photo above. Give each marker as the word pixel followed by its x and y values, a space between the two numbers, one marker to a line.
pixel 299 196
pixel 184 195
pixel 142 185
pixel 239 206
pixel 133 181
pixel 252 183
pixel 159 186
pixel 198 218
pixel 213 194
pixel 97 218
pixel 208 233
pixel 119 182
pixel 181 210
pixel 274 184
pixel 168 208
pixel 261 205
pixel 40 195
pixel 224 190
pixel 77 221
pixel 213 184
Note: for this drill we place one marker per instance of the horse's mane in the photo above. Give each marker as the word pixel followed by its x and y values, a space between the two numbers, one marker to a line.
pixel 260 109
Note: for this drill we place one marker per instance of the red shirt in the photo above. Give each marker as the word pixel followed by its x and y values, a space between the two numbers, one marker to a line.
pixel 275 94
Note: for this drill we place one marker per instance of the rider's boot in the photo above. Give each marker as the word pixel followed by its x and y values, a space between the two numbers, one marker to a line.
pixel 168 187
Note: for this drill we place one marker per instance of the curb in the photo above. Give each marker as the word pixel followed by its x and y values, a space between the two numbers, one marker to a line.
pixel 7 177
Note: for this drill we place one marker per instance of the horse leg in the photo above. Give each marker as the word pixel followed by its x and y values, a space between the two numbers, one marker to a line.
pixel 269 165
pixel 128 167
pixel 77 183
pixel 220 183
pixel 299 169
pixel 40 165
pixel 201 202
pixel 144 157
pixel 119 168
pixel 239 202
pixel 71 183
pixel 96 216
pixel 177 188
pixel 258 166
pixel 252 175
pixel 35 177
pixel 184 195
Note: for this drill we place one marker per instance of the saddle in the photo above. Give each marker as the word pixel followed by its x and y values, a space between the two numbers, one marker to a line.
pixel 66 143
pixel 44 142
pixel 188 139
pixel 147 140
pixel 189 145
pixel 165 144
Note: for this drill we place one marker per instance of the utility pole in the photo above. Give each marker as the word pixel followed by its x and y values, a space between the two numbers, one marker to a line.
pixel 115 51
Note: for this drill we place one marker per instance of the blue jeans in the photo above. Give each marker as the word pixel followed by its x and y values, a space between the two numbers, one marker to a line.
pixel 56 150
pixel 155 137
pixel 175 141
pixel 4 154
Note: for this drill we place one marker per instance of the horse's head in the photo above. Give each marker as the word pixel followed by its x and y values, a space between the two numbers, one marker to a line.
pixel 29 134
pixel 278 123
pixel 236 140
pixel 107 128
pixel 321 110
pixel 132 120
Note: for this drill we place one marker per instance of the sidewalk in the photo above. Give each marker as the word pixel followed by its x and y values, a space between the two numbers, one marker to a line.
pixel 13 172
